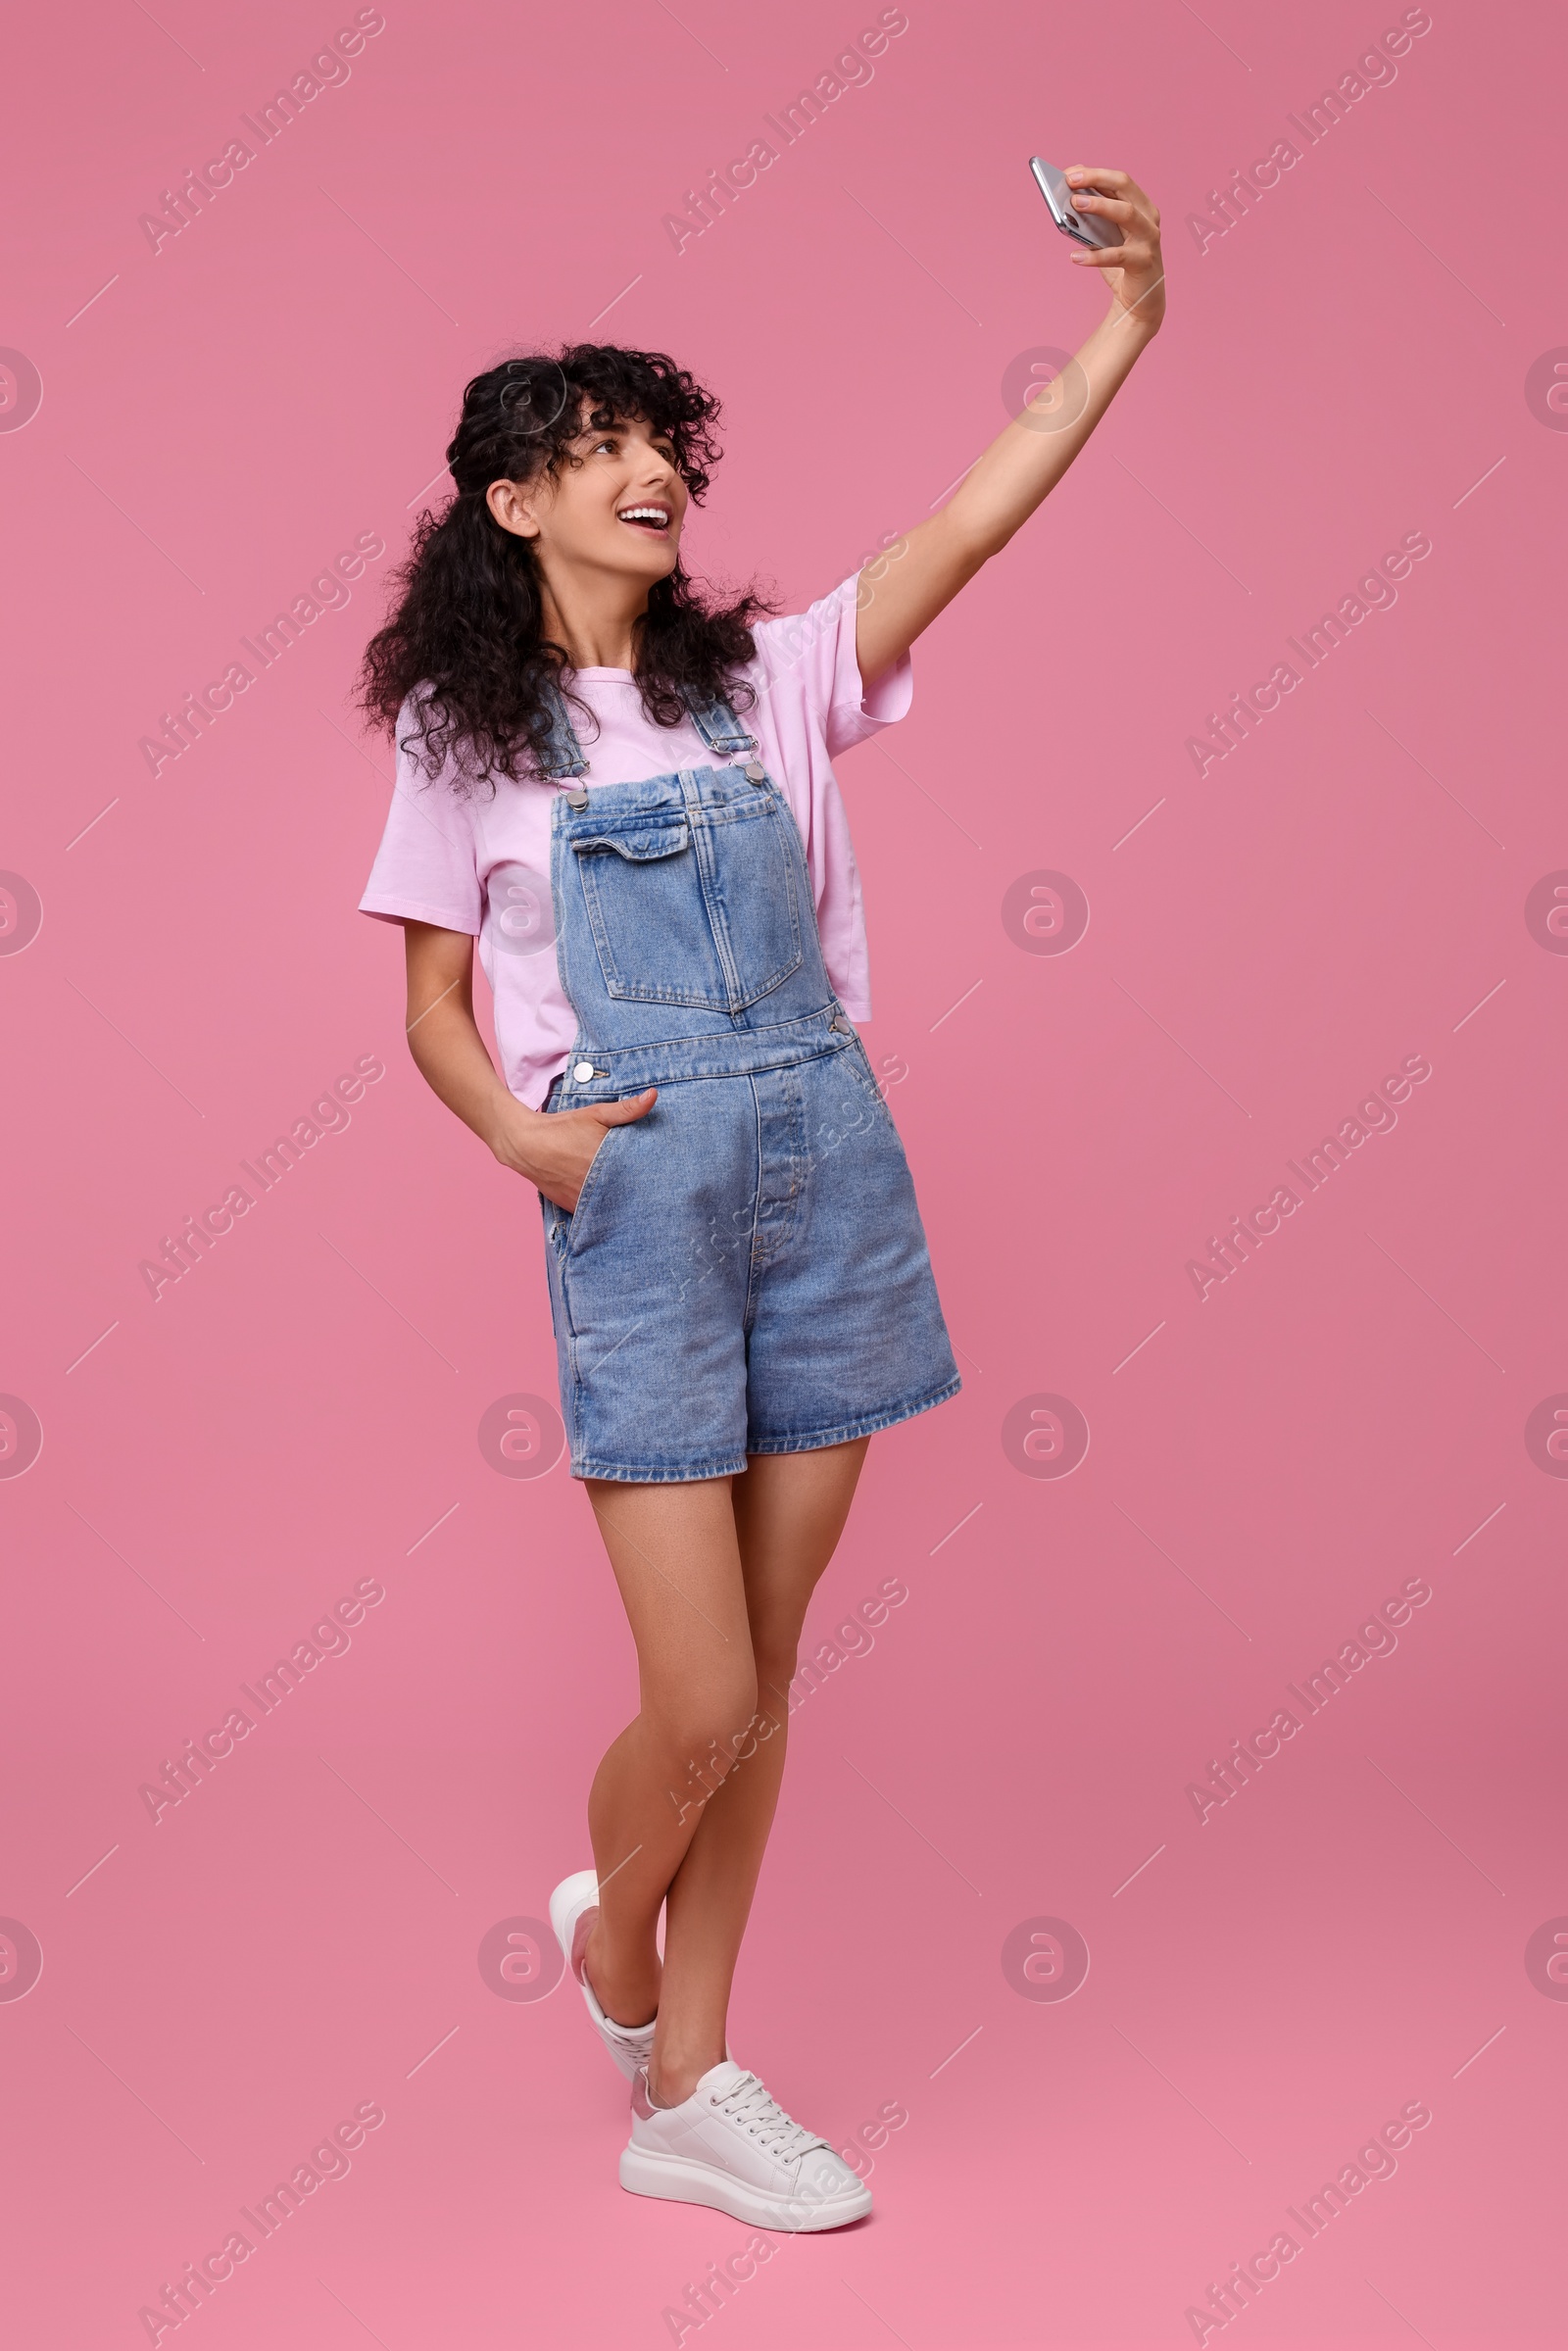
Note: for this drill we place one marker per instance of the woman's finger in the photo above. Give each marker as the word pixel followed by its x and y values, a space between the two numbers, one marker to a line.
pixel 1122 185
pixel 1113 208
pixel 621 1113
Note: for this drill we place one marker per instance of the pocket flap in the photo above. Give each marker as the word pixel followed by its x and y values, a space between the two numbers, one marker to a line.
pixel 665 837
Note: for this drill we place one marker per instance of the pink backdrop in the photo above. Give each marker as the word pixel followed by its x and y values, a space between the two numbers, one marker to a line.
pixel 1372 351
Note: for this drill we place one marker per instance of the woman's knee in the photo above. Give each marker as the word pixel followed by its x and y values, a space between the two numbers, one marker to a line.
pixel 776 1661
pixel 705 1722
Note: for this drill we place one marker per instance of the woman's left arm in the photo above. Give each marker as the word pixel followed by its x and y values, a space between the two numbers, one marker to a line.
pixel 903 591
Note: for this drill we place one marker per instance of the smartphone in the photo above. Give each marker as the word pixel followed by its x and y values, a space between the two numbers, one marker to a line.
pixel 1087 228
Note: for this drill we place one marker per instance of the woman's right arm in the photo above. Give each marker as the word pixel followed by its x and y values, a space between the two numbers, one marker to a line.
pixel 553 1152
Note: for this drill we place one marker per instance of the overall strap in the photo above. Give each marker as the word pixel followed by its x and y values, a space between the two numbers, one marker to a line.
pixel 561 756
pixel 717 723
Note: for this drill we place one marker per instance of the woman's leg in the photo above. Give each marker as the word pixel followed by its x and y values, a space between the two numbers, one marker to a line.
pixel 788 1512
pixel 676 1559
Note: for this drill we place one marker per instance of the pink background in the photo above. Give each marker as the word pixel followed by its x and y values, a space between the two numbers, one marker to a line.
pixel 1346 364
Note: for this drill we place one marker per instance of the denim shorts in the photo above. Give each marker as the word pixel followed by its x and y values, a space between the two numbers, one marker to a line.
pixel 745 1272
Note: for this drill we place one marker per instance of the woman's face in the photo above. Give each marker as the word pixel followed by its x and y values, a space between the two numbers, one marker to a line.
pixel 619 509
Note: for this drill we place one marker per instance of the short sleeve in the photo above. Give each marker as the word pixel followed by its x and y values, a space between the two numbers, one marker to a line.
pixel 425 869
pixel 809 658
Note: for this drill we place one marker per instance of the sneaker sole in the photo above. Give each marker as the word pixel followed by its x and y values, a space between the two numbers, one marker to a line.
pixel 681 2180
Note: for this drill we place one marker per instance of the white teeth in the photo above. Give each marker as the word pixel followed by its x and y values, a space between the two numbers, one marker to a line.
pixel 642 514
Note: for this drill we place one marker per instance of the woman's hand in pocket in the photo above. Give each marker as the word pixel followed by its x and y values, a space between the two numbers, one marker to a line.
pixel 556 1151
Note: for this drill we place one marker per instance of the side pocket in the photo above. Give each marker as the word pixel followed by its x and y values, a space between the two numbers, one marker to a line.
pixel 576 1224
pixel 558 1223
pixel 861 1070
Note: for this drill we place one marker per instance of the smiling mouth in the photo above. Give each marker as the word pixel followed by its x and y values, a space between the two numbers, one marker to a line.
pixel 655 519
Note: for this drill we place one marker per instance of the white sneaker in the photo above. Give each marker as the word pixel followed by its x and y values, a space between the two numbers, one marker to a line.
pixel 573 1908
pixel 730 2145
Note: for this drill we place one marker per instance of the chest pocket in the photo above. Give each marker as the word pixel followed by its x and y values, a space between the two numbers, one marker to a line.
pixel 701 914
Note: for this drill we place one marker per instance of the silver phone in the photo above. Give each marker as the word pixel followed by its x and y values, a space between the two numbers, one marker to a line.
pixel 1086 228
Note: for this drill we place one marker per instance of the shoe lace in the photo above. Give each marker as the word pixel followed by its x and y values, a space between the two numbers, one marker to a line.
pixel 751 2105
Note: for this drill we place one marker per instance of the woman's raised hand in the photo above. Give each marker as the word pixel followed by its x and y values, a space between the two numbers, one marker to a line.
pixel 1134 270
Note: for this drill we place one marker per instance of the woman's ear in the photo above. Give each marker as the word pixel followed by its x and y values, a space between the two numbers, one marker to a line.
pixel 513 509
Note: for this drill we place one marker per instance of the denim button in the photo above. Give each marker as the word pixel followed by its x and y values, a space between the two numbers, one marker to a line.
pixel 583 1072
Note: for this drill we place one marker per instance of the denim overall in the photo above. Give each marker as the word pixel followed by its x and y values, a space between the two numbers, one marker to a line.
pixel 745 1271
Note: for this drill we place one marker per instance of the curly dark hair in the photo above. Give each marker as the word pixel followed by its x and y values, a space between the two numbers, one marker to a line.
pixel 466 632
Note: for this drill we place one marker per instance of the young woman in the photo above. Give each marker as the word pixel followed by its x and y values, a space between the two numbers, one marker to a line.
pixel 624 790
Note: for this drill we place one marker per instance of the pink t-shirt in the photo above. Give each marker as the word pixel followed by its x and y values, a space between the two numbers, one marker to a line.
pixel 481 863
